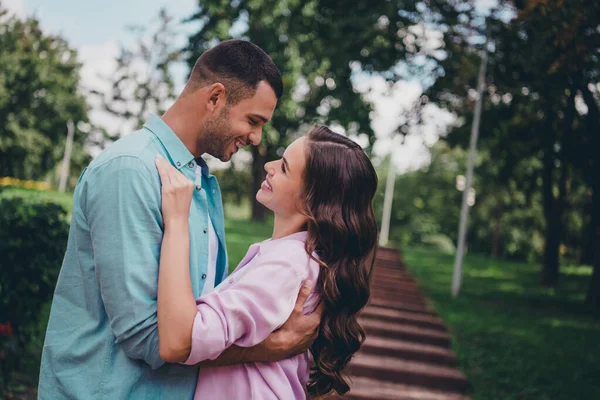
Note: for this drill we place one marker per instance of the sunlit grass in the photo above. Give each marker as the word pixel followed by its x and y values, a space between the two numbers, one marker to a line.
pixel 64 199
pixel 240 234
pixel 514 338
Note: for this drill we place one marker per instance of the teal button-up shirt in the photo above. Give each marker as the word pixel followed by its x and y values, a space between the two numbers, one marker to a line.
pixel 102 337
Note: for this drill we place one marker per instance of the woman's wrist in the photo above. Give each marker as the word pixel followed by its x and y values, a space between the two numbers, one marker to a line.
pixel 177 224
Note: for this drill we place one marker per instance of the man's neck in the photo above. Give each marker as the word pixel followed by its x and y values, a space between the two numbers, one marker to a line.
pixel 184 120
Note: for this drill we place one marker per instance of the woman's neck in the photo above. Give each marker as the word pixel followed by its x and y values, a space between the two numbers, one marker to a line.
pixel 284 226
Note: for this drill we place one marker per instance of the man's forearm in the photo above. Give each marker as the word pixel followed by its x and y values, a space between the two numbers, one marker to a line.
pixel 267 351
pixel 231 356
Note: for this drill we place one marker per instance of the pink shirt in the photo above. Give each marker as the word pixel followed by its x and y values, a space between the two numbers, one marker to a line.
pixel 257 298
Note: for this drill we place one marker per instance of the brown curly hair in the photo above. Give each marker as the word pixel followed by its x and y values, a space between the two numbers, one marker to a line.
pixel 339 186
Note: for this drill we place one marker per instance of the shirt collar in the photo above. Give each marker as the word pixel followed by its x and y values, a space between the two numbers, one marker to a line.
pixel 176 150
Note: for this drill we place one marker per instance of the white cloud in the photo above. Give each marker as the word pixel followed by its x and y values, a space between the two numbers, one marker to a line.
pixel 485 5
pixel 16 7
pixel 391 108
pixel 98 63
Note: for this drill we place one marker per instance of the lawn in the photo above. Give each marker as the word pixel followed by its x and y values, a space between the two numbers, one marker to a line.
pixel 515 339
pixel 240 234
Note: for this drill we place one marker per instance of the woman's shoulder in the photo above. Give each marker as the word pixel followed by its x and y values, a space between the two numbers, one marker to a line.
pixel 290 250
pixel 286 247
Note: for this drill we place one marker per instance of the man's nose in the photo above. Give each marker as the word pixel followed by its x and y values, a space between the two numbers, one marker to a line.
pixel 255 137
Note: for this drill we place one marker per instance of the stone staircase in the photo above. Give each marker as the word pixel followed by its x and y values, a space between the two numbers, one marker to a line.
pixel 406 354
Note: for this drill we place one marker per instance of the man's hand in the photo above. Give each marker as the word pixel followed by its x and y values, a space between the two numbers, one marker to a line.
pixel 294 337
pixel 297 334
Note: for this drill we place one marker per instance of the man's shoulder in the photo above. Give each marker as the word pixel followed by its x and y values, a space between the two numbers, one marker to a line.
pixel 140 145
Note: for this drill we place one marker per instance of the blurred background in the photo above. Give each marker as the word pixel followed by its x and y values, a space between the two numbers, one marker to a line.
pixel 399 77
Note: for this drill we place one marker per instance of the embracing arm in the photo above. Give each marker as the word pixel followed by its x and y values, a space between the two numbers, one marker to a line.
pixel 176 303
pixel 180 320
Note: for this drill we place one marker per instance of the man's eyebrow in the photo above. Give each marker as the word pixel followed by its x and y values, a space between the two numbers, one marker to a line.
pixel 260 117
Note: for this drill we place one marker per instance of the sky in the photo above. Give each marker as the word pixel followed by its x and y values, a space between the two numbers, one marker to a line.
pixel 96 28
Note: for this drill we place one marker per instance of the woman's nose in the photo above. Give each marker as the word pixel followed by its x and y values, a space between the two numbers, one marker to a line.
pixel 269 167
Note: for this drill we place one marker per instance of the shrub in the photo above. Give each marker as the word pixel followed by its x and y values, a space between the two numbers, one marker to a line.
pixel 33 237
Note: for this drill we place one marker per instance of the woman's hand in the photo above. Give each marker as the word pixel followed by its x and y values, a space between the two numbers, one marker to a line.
pixel 177 192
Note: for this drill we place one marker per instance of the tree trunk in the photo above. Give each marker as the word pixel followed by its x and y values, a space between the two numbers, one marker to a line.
pixel 258 176
pixel 593 294
pixel 551 245
pixel 587 249
pixel 496 233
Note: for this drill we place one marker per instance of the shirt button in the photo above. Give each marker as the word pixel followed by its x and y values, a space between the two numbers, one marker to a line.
pixel 198 188
pixel 203 276
pixel 191 164
pixel 178 164
pixel 204 230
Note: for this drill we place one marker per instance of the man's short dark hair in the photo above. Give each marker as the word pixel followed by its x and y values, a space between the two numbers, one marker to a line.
pixel 239 65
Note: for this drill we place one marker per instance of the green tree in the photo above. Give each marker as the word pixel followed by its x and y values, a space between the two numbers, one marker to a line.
pixel 541 61
pixel 39 79
pixel 142 82
pixel 321 46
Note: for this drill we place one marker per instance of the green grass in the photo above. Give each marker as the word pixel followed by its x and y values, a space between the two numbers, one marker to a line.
pixel 64 199
pixel 514 338
pixel 240 234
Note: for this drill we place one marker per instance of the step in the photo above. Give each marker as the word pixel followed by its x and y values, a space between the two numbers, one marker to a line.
pixel 408 372
pixel 394 282
pixel 411 304
pixel 395 265
pixel 397 305
pixel 387 314
pixel 370 389
pixel 415 334
pixel 390 297
pixel 395 256
pixel 391 271
pixel 389 253
pixel 407 350
pixel 399 295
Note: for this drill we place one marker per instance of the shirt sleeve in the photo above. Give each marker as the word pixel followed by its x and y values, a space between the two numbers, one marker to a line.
pixel 248 310
pixel 123 213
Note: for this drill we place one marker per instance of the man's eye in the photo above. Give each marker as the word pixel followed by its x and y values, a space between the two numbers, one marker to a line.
pixel 252 122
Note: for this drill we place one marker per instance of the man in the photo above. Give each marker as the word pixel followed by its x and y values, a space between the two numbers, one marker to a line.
pixel 102 337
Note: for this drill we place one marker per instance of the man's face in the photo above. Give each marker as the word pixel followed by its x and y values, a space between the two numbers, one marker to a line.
pixel 239 125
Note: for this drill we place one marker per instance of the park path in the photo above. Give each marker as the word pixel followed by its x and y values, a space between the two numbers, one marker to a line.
pixel 406 354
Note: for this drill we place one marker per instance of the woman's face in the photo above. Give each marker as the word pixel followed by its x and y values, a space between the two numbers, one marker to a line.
pixel 280 192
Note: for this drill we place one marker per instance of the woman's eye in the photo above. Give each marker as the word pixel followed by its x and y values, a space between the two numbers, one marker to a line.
pixel 283 167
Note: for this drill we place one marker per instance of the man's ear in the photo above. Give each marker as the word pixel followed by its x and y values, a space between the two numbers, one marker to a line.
pixel 217 96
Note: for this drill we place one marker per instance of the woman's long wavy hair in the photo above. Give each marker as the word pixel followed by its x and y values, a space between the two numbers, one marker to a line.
pixel 339 186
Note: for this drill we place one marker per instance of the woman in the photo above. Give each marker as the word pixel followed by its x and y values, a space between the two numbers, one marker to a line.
pixel 324 230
